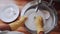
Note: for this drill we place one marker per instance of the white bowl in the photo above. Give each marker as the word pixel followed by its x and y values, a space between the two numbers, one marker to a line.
pixel 9 13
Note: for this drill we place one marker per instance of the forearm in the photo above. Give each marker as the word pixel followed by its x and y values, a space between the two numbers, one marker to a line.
pixel 4 27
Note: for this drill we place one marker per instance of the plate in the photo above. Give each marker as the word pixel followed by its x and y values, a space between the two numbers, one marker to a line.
pixel 11 32
pixel 9 13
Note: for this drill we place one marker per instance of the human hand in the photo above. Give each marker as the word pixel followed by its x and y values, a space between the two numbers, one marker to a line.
pixel 39 24
pixel 18 23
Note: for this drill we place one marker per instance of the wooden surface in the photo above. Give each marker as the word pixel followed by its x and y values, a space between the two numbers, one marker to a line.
pixel 21 4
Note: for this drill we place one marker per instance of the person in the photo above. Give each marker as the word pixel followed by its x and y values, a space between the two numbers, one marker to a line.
pixel 15 26
pixel 20 27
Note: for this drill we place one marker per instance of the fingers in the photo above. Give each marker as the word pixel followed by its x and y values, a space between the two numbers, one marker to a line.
pixel 39 21
pixel 23 29
pixel 39 24
pixel 23 19
pixel 18 23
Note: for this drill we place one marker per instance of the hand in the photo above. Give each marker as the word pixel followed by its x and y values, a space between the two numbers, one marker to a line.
pixel 18 23
pixel 39 24
pixel 22 28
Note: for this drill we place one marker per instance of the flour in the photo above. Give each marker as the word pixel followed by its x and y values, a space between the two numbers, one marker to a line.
pixel 30 23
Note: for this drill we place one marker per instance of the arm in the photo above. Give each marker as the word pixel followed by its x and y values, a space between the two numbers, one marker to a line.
pixel 4 27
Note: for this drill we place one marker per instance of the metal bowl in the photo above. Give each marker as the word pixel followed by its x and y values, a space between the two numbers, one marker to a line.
pixel 42 6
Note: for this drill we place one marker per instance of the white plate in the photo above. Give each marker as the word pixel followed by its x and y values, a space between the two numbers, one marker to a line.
pixel 14 32
pixel 9 13
pixel 11 32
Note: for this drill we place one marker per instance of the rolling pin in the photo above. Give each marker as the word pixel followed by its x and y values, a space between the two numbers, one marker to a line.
pixel 39 25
